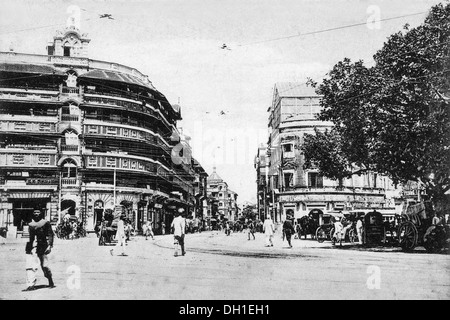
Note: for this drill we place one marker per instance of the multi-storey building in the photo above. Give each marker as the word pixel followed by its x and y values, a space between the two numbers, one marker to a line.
pixel 295 191
pixel 261 166
pixel 82 136
pixel 222 201
pixel 200 190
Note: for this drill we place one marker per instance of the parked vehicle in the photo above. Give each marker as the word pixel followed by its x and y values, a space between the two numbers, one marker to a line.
pixel 70 229
pixel 416 229
pixel 325 231
pixel 108 228
pixel 374 232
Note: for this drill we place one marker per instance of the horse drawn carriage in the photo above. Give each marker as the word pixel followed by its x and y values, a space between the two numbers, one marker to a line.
pixel 374 229
pixel 107 228
pixel 418 228
pixel 326 228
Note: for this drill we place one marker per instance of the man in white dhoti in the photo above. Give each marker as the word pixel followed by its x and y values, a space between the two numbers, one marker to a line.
pixel 120 236
pixel 269 230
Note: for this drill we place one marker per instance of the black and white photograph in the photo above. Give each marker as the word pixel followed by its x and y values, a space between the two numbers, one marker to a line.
pixel 224 154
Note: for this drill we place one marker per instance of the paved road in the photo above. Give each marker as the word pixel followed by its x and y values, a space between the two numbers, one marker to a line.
pixel 217 266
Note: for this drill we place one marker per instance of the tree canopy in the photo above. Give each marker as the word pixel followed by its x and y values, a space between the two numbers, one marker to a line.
pixel 394 117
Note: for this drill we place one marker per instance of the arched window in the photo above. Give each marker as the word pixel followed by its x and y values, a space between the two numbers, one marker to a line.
pixel 69 169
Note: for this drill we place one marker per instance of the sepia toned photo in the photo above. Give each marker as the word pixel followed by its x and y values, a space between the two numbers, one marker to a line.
pixel 224 154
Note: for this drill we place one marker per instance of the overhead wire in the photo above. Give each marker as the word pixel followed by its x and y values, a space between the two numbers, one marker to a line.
pixel 328 30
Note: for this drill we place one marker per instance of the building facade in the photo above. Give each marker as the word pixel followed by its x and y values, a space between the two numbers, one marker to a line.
pixel 292 190
pixel 82 136
pixel 222 201
pixel 262 195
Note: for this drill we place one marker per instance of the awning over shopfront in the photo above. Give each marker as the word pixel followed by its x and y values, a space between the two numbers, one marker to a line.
pixel 30 195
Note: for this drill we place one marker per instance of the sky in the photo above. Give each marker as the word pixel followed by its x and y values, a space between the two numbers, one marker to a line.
pixel 224 93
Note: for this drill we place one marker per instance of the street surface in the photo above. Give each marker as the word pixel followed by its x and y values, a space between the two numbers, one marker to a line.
pixel 219 267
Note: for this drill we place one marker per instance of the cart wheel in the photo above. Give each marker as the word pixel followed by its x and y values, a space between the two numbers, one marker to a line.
pixel 408 236
pixel 432 246
pixel 431 242
pixel 321 236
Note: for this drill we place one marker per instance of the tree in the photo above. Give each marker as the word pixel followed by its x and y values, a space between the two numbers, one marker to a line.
pixel 392 118
pixel 248 212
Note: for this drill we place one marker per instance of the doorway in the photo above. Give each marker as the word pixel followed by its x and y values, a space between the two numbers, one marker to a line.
pixel 23 211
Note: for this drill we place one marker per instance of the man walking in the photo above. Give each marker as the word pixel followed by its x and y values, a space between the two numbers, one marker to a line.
pixel 120 236
pixel 179 230
pixel 148 230
pixel 288 230
pixel 251 229
pixel 269 230
pixel 41 230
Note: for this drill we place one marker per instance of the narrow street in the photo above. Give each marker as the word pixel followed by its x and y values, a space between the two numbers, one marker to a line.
pixel 217 266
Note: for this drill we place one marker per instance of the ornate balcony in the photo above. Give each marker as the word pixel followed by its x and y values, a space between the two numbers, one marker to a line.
pixel 70 117
pixel 25 94
pixel 69 148
pixel 70 182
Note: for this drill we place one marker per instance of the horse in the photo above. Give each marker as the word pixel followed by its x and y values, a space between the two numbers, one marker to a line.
pixel 307 226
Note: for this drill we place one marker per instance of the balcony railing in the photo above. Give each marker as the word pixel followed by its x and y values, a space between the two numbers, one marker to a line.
pixel 68 90
pixel 333 189
pixel 69 181
pixel 24 94
pixel 71 148
pixel 126 101
pixel 288 155
pixel 69 117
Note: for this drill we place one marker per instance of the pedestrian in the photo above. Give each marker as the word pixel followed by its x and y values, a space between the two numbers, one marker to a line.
pixel 251 229
pixel 163 228
pixel 227 228
pixel 179 230
pixel 288 230
pixel 66 217
pixel 338 229
pixel 269 230
pixel 128 229
pixel 120 236
pixel 359 230
pixel 436 221
pixel 41 230
pixel 148 230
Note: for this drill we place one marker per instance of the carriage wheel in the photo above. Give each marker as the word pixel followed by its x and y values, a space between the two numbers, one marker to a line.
pixel 432 246
pixel 331 234
pixel 321 235
pixel 407 236
pixel 431 242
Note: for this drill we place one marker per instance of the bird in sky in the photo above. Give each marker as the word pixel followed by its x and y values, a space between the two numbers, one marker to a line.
pixel 106 15
pixel 225 47
pixel 222 113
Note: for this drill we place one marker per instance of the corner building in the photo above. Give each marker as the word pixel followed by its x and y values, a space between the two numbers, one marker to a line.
pixel 292 190
pixel 82 136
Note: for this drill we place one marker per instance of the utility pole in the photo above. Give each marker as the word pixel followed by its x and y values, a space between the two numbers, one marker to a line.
pixel 114 182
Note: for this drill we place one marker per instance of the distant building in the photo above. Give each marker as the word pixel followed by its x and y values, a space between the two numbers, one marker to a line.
pixel 222 201
pixel 261 166
pixel 293 190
